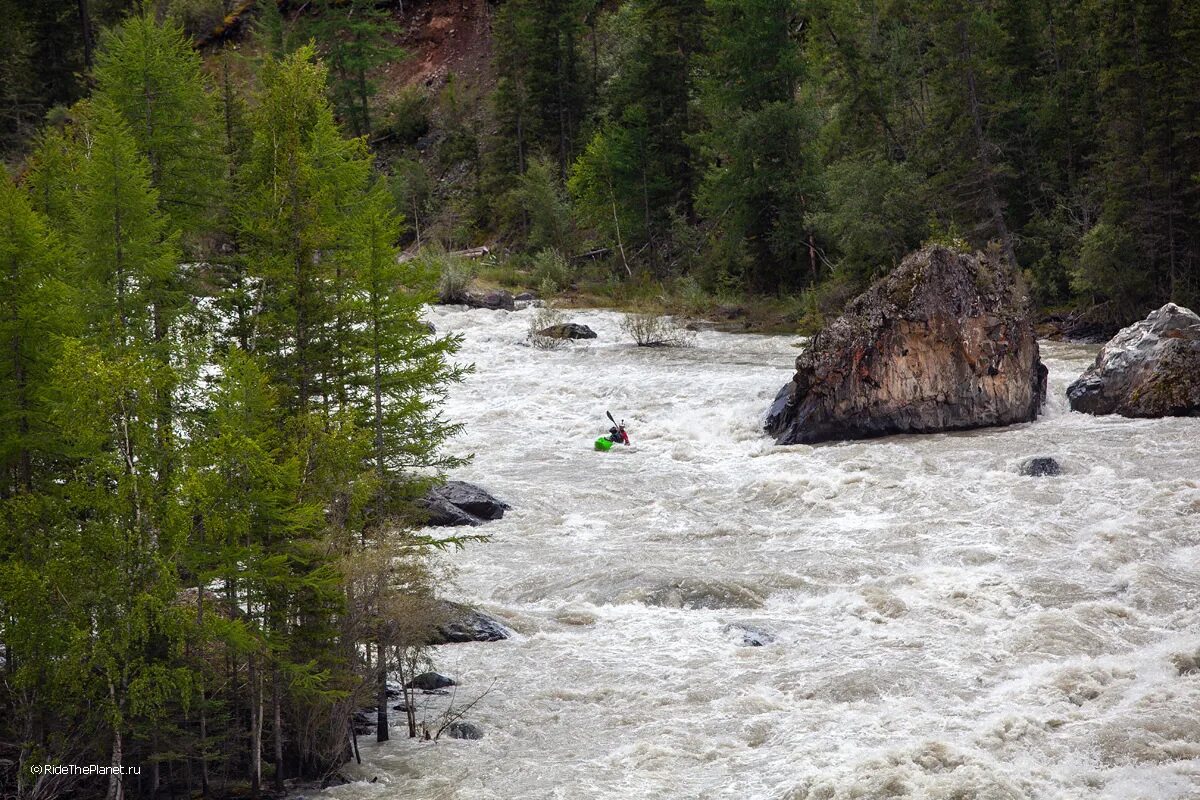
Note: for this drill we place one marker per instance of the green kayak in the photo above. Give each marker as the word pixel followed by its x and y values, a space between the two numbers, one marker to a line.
pixel 604 443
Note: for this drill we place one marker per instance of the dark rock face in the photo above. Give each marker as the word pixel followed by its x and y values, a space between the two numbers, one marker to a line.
pixel 465 624
pixel 429 681
pixel 459 503
pixel 464 730
pixel 525 297
pixel 942 343
pixel 497 300
pixel 568 330
pixel 779 406
pixel 1040 466
pixel 1150 369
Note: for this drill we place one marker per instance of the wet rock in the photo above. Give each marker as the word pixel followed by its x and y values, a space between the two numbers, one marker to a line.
pixel 748 635
pixel 464 730
pixel 525 297
pixel 430 327
pixel 780 406
pixel 568 330
pixel 400 707
pixel 1040 466
pixel 1186 663
pixel 1150 369
pixel 944 342
pixel 465 624
pixel 429 681
pixel 495 300
pixel 457 503
pixel 363 722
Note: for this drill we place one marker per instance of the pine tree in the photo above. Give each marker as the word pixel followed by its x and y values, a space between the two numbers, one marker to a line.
pixel 152 76
pixel 761 183
pixel 298 173
pixel 354 37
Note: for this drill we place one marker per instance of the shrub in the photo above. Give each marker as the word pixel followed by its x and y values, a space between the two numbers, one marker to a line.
pixel 551 272
pixel 649 329
pixel 543 318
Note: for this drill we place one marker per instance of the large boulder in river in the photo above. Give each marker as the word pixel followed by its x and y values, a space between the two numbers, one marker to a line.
pixel 944 342
pixel 1150 369
pixel 457 503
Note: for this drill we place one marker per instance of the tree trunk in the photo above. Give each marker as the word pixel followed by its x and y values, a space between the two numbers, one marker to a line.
pixel 277 724
pixel 116 781
pixel 381 713
pixel 256 724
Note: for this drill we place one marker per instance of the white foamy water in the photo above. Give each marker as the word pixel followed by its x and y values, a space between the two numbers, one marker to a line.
pixel 943 627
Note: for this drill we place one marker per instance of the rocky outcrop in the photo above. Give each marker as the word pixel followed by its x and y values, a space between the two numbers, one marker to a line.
pixel 568 330
pixel 944 342
pixel 456 503
pixel 1150 369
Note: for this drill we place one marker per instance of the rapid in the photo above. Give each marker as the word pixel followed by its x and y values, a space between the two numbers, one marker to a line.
pixel 941 627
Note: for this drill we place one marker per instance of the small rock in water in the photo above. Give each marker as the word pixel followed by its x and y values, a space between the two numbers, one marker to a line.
pixel 748 635
pixel 567 330
pixel 464 730
pixel 428 681
pixel 1040 466
pixel 465 624
pixel 525 297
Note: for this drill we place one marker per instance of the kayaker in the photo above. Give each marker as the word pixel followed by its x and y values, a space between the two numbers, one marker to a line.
pixel 617 434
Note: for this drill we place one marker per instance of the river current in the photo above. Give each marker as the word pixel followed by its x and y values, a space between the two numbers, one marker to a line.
pixel 941 627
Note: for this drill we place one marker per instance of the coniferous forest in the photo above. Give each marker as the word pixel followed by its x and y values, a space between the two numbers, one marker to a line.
pixel 221 408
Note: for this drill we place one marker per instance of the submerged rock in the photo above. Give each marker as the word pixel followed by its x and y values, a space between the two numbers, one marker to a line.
pixel 568 330
pixel 944 342
pixel 428 681
pixel 1150 369
pixel 1040 466
pixel 460 503
pixel 464 730
pixel 465 624
pixel 748 635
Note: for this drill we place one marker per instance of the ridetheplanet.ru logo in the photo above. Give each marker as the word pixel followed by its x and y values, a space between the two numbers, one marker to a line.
pixel 82 769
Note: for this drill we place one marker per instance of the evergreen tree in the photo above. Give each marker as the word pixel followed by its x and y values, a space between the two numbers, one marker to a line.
pixel 152 76
pixel 761 183
pixel 354 38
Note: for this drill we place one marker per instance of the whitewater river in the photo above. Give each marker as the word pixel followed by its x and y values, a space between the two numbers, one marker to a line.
pixel 942 627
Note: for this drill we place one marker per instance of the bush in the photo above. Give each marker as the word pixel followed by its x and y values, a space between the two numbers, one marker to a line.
pixel 543 318
pixel 655 330
pixel 551 272
pixel 406 117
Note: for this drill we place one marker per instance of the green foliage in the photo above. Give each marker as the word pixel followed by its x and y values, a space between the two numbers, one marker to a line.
pixel 873 211
pixel 551 271
pixel 150 74
pixel 540 197
pixel 354 37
